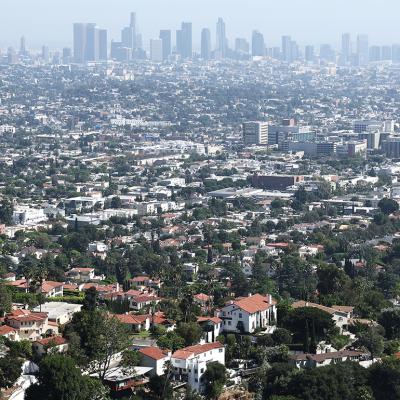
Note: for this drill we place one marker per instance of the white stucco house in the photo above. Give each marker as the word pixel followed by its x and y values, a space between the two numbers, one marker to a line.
pixel 246 314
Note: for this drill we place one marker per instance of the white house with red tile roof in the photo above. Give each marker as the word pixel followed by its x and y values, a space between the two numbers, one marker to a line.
pixel 190 363
pixel 53 344
pixel 341 315
pixel 49 288
pixel 154 357
pixel 81 274
pixel 137 303
pixel 136 323
pixel 30 325
pixel 9 333
pixel 202 299
pixel 246 314
pixel 212 327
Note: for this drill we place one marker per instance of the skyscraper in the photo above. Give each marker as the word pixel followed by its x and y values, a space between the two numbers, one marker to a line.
pixel 286 48
pixel 66 55
pixel 80 39
pixel 156 50
pixel 22 47
pixel 206 44
pixel 184 40
pixel 326 53
pixel 346 49
pixel 362 49
pixel 309 53
pixel 375 53
pixel 129 34
pixel 45 54
pixel 165 36
pixel 221 44
pixel 92 52
pixel 257 44
pixel 90 43
pixel 242 46
pixel 103 45
pixel 255 133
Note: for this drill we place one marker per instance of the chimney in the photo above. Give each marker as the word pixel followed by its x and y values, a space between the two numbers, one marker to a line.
pixel 269 299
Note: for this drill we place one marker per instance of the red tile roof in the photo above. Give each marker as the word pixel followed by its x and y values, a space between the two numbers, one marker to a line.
pixel 254 303
pixel 195 350
pixel 4 330
pixel 52 341
pixel 154 352
pixel 215 320
pixel 131 319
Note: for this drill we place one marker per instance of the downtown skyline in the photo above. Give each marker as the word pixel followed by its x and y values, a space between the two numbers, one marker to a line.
pixel 305 20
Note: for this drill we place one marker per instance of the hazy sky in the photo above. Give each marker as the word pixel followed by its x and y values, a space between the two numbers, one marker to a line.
pixel 308 21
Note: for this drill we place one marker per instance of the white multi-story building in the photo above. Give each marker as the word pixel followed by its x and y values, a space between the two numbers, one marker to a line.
pixel 25 215
pixel 7 129
pixel 246 314
pixel 190 363
pixel 255 133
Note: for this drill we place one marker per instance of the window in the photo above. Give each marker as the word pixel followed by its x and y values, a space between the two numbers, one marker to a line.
pixel 220 350
pixel 240 315
pixel 202 370
pixel 196 380
pixel 229 323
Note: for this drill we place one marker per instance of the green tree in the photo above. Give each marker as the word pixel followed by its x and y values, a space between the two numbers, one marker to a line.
pixel 372 341
pixel 191 332
pixel 6 212
pixel 281 336
pixel 384 379
pixel 60 379
pixel 319 323
pixel 10 370
pixel 101 336
pixel 171 341
pixel 5 299
pixel 214 380
pixel 90 300
pixel 389 318
pixel 388 206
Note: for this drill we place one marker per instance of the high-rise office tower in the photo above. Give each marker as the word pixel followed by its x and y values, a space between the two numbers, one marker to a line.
pixel 346 49
pixel 80 39
pixel 87 42
pixel 92 52
pixel 206 44
pixel 22 47
pixel 286 48
pixel 221 44
pixel 295 50
pixel 362 49
pixel 242 46
pixel 103 45
pixel 66 55
pixel 165 36
pixel 129 34
pixel 156 50
pixel 184 40
pixel 45 54
pixel 386 53
pixel 255 133
pixel 326 53
pixel 375 53
pixel 396 53
pixel 257 44
pixel 309 53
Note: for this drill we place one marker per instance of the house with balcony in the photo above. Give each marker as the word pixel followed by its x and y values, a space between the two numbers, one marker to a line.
pixel 30 325
pixel 247 314
pixel 190 363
